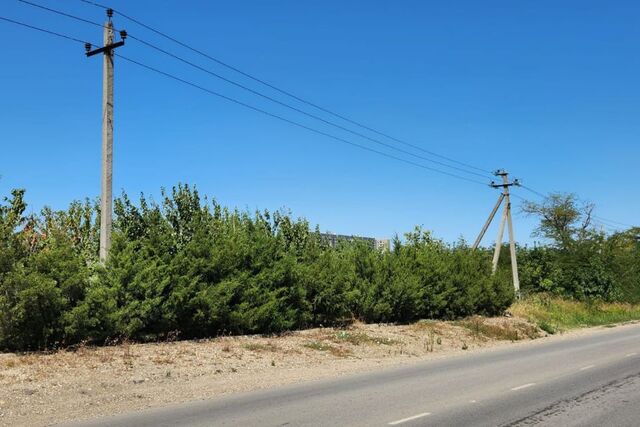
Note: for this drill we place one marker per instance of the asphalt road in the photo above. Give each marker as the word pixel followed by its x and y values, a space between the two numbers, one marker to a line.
pixel 590 380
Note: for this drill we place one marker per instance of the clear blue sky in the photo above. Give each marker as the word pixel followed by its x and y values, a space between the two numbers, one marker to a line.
pixel 548 90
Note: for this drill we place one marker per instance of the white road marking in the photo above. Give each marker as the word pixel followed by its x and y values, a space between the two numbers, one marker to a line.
pixel 472 401
pixel 404 420
pixel 630 354
pixel 520 387
pixel 584 368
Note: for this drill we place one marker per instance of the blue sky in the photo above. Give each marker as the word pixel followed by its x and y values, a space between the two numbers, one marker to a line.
pixel 547 90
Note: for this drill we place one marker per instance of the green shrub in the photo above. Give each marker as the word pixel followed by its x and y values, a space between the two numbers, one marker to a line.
pixel 187 266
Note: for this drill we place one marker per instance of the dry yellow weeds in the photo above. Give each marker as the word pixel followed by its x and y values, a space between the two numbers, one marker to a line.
pixel 41 388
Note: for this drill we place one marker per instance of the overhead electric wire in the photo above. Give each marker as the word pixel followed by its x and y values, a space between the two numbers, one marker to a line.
pixel 292 122
pixel 532 190
pixel 33 27
pixel 284 119
pixel 260 94
pixel 59 12
pixel 606 226
pixel 595 219
pixel 313 116
pixel 614 222
pixel 604 222
pixel 284 92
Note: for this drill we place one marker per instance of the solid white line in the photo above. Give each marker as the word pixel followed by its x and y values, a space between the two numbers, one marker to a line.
pixel 584 368
pixel 630 354
pixel 404 420
pixel 522 386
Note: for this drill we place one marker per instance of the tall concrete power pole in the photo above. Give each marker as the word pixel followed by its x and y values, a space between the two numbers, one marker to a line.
pixel 506 220
pixel 106 193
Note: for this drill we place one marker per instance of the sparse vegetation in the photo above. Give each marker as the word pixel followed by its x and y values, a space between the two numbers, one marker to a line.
pixel 323 346
pixel 484 329
pixel 259 347
pixel 358 338
pixel 316 345
pixel 553 314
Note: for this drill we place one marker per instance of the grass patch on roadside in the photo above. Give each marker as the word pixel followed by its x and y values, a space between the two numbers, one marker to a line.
pixel 481 328
pixel 321 346
pixel 358 338
pixel 259 347
pixel 553 314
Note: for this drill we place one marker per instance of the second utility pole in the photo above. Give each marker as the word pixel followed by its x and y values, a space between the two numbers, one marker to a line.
pixel 106 195
pixel 506 218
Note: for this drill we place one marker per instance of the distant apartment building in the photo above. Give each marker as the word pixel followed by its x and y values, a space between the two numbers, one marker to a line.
pixel 383 245
pixel 334 239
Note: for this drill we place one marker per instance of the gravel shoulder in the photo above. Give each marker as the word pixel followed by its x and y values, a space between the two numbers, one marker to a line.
pixel 38 389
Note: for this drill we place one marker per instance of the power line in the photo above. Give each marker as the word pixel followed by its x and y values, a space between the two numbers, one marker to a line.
pixel 42 30
pixel 518 196
pixel 287 93
pixel 605 220
pixel 284 119
pixel 606 226
pixel 607 223
pixel 300 125
pixel 537 193
pixel 611 225
pixel 260 94
pixel 284 104
pixel 59 12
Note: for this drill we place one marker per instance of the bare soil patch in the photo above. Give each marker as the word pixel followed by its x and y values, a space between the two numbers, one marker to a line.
pixel 86 382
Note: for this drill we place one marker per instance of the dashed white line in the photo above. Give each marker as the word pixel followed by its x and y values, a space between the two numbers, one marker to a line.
pixel 520 387
pixel 584 368
pixel 630 354
pixel 404 420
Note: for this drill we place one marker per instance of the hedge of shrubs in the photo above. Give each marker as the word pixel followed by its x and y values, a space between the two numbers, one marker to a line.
pixel 187 266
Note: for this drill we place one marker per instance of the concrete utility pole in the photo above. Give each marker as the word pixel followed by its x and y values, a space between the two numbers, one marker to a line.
pixel 506 218
pixel 106 195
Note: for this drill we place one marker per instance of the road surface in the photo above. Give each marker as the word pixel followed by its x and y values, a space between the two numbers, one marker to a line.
pixel 585 380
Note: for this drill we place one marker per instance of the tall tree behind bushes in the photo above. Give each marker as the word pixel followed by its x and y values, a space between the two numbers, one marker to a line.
pixel 579 261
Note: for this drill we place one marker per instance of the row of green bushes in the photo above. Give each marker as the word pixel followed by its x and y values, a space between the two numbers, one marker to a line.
pixel 188 266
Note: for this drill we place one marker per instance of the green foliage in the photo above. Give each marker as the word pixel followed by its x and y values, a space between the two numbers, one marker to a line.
pixel 187 266
pixel 553 314
pixel 42 278
pixel 581 263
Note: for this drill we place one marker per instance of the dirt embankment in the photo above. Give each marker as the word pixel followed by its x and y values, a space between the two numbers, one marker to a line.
pixel 41 389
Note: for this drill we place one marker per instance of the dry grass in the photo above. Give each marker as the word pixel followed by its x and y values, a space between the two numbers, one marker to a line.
pixel 260 347
pixel 41 388
pixel 323 346
pixel 359 338
pixel 485 329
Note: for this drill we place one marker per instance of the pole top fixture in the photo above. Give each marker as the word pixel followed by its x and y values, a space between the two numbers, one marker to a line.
pixel 110 13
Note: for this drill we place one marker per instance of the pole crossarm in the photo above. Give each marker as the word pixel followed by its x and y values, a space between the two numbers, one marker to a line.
pixel 505 180
pixel 104 49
